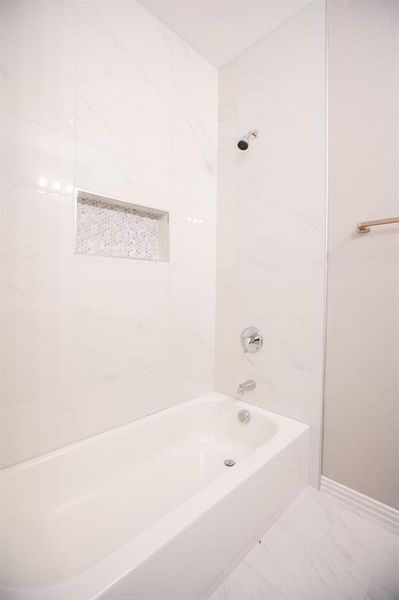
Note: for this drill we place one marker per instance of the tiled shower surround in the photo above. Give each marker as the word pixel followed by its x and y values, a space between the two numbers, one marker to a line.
pixel 90 342
pixel 271 220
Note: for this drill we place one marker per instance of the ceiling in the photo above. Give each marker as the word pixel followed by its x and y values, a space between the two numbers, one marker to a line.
pixel 221 29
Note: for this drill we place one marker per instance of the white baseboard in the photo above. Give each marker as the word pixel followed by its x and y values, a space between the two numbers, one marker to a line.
pixel 372 508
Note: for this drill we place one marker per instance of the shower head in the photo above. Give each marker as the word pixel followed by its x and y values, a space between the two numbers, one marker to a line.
pixel 243 143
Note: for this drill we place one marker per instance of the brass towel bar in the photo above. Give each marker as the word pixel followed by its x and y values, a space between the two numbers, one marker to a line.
pixel 366 225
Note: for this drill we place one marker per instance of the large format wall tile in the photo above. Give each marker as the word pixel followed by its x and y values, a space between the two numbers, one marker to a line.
pixel 37 349
pixel 95 97
pixel 37 223
pixel 38 59
pixel 35 156
pixel 271 221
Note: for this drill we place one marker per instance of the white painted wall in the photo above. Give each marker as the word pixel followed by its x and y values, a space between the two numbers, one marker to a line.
pixel 361 423
pixel 271 220
pixel 101 96
pixel 222 29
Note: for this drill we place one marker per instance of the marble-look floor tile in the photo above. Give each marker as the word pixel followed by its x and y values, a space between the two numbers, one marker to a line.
pixel 319 549
pixel 246 582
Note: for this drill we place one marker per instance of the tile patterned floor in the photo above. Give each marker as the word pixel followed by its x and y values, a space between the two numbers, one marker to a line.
pixel 320 549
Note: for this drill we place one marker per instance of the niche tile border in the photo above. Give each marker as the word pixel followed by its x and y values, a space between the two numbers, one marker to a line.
pixel 112 228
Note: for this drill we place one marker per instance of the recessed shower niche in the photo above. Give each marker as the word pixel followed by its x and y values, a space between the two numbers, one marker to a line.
pixel 109 227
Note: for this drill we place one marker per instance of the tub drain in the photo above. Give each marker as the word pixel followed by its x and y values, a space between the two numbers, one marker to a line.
pixel 229 462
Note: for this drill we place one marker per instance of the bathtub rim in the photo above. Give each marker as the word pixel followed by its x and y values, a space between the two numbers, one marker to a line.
pixel 103 574
pixel 274 417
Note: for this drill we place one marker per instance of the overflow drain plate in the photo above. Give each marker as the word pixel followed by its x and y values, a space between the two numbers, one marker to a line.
pixel 229 462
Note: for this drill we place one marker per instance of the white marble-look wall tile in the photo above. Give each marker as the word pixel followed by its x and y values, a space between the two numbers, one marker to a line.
pixel 193 142
pixel 124 108
pixel 38 61
pixel 121 176
pixel 95 96
pixel 271 220
pixel 36 157
pixel 37 113
pixel 36 223
pixel 36 349
pixel 145 136
pixel 121 316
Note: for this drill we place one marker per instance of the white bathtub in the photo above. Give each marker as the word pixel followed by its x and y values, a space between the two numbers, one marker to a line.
pixel 149 510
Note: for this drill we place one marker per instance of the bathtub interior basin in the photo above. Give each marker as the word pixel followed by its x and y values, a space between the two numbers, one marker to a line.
pixel 67 510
